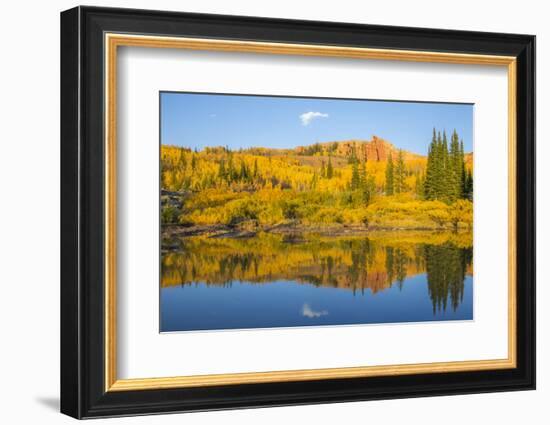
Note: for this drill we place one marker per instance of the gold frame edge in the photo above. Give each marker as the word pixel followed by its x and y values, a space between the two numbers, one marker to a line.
pixel 112 41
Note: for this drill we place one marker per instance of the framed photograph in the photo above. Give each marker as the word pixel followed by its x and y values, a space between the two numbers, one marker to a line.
pixel 261 212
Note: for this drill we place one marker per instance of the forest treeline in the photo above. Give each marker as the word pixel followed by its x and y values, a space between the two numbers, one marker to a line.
pixel 316 185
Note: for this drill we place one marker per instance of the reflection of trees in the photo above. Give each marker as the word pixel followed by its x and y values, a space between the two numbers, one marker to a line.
pixel 396 265
pixel 389 263
pixel 352 263
pixel 446 268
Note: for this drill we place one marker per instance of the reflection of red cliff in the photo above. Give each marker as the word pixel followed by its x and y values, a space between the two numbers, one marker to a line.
pixel 340 277
pixel 315 271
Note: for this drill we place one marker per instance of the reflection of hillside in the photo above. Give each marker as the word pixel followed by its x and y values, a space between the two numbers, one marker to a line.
pixel 357 264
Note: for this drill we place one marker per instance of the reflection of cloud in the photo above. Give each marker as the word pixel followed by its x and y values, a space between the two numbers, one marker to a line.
pixel 308 312
pixel 307 117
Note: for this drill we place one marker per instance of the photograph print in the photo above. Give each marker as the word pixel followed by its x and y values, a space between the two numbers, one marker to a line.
pixel 291 211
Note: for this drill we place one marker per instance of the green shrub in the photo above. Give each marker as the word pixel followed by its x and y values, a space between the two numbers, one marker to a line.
pixel 169 215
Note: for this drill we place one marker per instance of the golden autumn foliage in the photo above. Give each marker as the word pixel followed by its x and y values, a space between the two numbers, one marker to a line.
pixel 268 186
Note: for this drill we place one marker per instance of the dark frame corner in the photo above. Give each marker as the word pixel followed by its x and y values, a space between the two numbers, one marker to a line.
pixel 82 206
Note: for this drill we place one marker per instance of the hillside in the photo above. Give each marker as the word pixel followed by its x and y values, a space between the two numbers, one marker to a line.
pixel 369 183
pixel 376 150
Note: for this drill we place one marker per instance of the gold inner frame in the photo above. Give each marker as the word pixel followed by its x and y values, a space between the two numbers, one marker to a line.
pixel 113 41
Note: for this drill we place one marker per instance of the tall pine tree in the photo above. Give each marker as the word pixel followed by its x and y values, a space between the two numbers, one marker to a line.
pixel 420 185
pixel 355 178
pixel 454 173
pixel 222 172
pixel 256 171
pixel 330 168
pixel 389 176
pixel 314 181
pixel 182 160
pixel 444 169
pixel 399 174
pixel 231 173
pixel 429 181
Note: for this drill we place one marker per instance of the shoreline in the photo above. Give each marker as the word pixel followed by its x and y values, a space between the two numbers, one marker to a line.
pixel 249 230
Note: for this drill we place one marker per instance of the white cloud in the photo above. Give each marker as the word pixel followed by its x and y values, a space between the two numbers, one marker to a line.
pixel 308 312
pixel 307 117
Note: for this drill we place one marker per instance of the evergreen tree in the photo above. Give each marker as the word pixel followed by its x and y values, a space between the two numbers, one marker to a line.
pixel 366 183
pixel 314 180
pixel 429 180
pixel 399 177
pixel 182 160
pixel 323 169
pixel 446 178
pixel 455 169
pixel 255 172
pixel 468 185
pixel 355 178
pixel 368 189
pixel 221 171
pixel 244 174
pixel 389 176
pixel 231 173
pixel 439 167
pixel 353 156
pixel 420 185
pixel 463 174
pixel 330 168
pixel 444 170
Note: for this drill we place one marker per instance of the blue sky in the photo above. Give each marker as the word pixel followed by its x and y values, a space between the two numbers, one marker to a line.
pixel 200 120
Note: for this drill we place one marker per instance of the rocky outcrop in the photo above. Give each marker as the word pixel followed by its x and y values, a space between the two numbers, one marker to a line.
pixel 171 199
pixel 376 149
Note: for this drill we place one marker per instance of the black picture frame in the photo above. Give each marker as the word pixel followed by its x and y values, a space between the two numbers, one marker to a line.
pixel 83 392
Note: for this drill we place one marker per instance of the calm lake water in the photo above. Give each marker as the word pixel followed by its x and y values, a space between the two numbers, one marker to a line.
pixel 300 280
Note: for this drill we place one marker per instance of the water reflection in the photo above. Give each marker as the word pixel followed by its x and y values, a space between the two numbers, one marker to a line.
pixel 308 312
pixel 356 264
